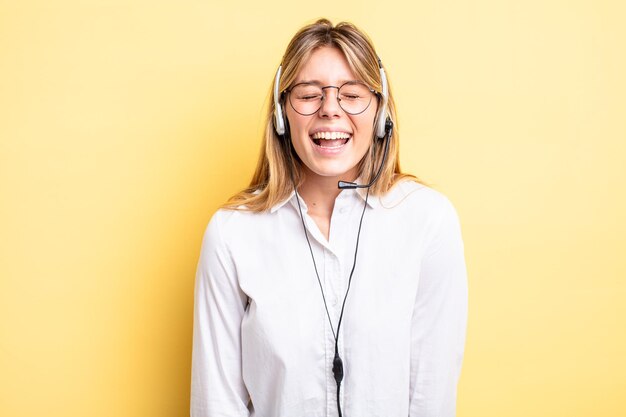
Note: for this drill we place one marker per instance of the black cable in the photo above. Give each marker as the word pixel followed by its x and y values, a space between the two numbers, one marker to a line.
pixel 356 251
pixel 337 362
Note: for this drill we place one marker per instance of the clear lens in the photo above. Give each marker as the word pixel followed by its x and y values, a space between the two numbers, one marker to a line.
pixel 354 97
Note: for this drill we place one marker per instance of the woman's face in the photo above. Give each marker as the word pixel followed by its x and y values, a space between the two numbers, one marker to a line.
pixel 336 158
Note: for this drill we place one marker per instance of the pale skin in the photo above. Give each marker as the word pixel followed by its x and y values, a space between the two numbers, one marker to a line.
pixel 324 169
pixel 320 193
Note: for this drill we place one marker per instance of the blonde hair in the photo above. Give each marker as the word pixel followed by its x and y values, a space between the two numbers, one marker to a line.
pixel 272 179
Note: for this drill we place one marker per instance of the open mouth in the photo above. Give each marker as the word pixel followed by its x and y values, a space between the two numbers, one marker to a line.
pixel 330 139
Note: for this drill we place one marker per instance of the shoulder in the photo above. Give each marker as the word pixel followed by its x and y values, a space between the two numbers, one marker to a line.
pixel 411 196
pixel 418 205
pixel 431 209
pixel 232 224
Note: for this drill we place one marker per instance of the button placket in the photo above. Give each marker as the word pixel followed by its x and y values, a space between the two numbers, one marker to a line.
pixel 335 282
pixel 330 286
pixel 339 288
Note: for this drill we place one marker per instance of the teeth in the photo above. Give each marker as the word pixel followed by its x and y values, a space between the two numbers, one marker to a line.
pixel 331 147
pixel 331 135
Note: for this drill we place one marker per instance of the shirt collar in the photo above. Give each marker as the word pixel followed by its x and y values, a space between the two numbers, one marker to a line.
pixel 282 203
pixel 372 201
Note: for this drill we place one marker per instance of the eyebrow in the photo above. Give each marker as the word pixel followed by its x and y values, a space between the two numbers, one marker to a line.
pixel 318 82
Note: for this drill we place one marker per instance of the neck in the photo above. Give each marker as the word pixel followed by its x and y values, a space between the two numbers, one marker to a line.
pixel 319 192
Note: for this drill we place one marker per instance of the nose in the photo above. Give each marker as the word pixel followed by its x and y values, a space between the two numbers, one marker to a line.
pixel 330 107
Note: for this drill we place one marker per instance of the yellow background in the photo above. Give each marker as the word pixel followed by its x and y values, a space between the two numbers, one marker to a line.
pixel 124 124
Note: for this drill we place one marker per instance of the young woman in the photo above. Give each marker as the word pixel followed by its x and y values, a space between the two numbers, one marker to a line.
pixel 335 284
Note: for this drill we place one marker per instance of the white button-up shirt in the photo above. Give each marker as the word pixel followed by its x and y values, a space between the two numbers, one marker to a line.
pixel 262 342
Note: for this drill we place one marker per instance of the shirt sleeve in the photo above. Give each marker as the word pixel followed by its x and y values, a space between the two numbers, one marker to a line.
pixel 217 388
pixel 439 320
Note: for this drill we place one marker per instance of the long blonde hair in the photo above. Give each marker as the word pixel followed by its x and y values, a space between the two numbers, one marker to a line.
pixel 272 179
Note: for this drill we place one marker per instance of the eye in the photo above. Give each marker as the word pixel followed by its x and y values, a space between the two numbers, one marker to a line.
pixel 354 91
pixel 350 97
pixel 307 92
pixel 310 97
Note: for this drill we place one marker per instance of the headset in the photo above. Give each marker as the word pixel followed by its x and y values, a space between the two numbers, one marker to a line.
pixel 383 129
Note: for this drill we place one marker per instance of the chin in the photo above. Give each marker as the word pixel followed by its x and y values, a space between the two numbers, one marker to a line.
pixel 333 171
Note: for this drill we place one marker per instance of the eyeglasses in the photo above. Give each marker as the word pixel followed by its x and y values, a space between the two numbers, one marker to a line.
pixel 354 97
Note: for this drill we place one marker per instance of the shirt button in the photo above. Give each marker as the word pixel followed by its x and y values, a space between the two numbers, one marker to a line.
pixel 343 210
pixel 335 300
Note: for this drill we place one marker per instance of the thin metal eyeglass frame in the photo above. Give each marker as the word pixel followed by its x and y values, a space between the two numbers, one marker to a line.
pixel 376 93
